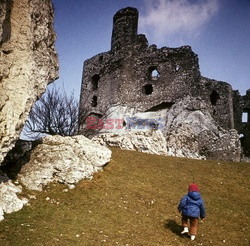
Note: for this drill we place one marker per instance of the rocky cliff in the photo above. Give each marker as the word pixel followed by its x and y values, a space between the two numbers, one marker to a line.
pixel 28 62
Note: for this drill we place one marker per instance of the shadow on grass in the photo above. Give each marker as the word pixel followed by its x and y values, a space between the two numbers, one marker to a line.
pixel 175 228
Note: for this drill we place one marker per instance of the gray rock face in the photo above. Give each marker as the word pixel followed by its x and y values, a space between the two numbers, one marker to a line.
pixel 190 128
pixel 187 130
pixel 63 159
pixel 28 62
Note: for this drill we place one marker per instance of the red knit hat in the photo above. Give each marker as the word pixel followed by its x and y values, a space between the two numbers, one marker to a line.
pixel 193 187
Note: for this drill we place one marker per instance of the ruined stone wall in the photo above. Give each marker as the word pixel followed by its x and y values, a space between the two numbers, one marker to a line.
pixel 238 110
pixel 28 62
pixel 219 96
pixel 246 125
pixel 146 78
pixel 242 124
pixel 128 80
pixel 246 103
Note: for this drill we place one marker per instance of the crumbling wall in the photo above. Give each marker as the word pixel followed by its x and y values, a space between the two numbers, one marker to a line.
pixel 128 80
pixel 242 119
pixel 28 62
pixel 147 79
pixel 137 75
pixel 219 96
pixel 246 124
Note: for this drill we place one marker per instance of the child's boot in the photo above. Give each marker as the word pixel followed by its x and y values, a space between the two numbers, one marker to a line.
pixel 192 237
pixel 185 230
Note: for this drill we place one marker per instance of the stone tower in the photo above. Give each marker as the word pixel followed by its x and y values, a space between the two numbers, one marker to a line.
pixel 125 25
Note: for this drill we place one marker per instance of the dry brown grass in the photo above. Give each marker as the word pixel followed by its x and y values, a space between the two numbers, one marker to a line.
pixel 133 202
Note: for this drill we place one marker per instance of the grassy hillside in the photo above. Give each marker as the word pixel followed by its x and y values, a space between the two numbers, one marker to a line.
pixel 134 202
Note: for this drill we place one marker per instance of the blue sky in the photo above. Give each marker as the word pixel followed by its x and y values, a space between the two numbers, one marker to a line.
pixel 217 30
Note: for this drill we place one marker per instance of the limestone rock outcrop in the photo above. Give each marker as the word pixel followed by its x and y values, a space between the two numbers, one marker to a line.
pixel 63 159
pixel 186 129
pixel 9 201
pixel 53 159
pixel 28 62
pixel 190 128
pixel 152 142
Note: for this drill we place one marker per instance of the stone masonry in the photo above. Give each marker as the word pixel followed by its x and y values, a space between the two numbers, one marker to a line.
pixel 148 79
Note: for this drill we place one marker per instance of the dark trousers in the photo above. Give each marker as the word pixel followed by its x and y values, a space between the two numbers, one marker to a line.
pixel 193 224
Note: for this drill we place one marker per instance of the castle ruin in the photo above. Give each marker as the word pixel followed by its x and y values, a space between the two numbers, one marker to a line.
pixel 144 77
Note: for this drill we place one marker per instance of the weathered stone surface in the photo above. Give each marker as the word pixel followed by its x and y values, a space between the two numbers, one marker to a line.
pixel 137 76
pixel 9 201
pixel 188 130
pixel 63 159
pixel 152 142
pixel 28 62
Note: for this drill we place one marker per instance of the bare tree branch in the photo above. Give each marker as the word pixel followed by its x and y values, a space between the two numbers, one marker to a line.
pixel 55 113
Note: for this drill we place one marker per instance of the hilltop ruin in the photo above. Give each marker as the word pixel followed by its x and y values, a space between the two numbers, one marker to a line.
pixel 148 79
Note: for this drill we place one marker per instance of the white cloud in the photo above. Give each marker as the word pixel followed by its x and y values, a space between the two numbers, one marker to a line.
pixel 170 17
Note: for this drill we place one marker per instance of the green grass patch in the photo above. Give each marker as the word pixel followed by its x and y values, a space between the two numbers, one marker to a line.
pixel 134 202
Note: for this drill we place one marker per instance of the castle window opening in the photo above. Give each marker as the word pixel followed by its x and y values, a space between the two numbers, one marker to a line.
pixel 94 101
pixel 245 117
pixel 214 97
pixel 177 68
pixel 95 80
pixel 147 89
pixel 153 73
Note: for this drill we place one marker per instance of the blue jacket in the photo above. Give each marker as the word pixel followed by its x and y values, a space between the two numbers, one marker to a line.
pixel 192 205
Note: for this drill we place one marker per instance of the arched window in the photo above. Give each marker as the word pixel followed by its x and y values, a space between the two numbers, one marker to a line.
pixel 153 73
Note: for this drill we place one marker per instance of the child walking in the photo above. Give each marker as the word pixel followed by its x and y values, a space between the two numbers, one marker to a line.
pixel 192 207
